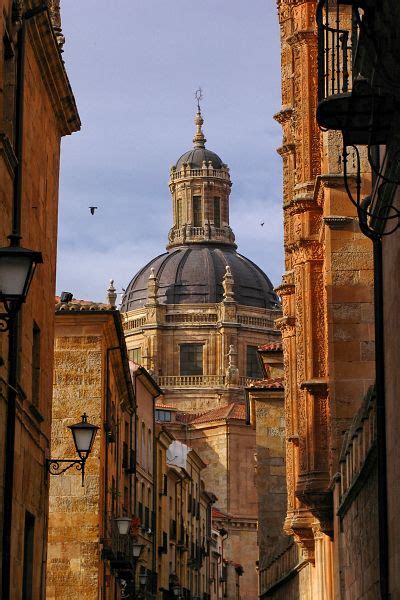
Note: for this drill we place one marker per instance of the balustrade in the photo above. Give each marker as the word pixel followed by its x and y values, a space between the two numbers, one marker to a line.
pixel 358 444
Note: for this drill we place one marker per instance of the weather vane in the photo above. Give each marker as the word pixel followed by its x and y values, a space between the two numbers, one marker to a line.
pixel 199 96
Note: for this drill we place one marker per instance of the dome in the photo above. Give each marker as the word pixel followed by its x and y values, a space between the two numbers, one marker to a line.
pixel 196 156
pixel 193 275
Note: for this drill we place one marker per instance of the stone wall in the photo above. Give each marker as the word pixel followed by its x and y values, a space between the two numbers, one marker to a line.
pixel 74 522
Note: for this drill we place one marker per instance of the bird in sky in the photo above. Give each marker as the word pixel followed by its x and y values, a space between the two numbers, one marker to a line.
pixel 262 224
pixel 92 209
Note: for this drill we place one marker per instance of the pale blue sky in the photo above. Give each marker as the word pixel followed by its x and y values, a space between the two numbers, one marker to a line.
pixel 134 66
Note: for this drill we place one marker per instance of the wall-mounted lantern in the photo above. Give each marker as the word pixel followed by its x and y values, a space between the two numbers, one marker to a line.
pixel 17 267
pixel 84 434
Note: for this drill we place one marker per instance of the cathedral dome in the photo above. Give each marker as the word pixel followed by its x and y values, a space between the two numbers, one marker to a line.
pixel 193 274
pixel 197 156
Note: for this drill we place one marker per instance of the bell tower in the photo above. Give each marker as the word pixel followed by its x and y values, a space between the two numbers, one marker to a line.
pixel 200 185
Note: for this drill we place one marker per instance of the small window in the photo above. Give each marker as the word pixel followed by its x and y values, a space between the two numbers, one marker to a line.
pixel 253 366
pixel 179 216
pixel 135 355
pixel 217 212
pixel 197 220
pixel 163 415
pixel 191 362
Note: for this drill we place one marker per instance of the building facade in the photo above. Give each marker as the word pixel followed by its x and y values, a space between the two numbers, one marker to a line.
pixel 37 108
pixel 194 318
pixel 327 326
pixel 86 554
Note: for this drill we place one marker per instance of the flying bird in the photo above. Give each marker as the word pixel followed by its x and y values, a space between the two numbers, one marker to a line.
pixel 92 209
pixel 262 224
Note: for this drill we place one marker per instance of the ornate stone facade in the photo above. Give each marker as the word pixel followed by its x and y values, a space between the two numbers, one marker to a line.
pixel 326 296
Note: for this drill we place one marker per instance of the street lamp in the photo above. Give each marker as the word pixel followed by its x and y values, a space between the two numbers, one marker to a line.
pixel 17 267
pixel 137 550
pixel 176 589
pixel 84 434
pixel 143 578
pixel 123 524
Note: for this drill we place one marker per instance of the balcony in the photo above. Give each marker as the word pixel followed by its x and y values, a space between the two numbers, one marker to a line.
pixel 196 381
pixel 117 548
pixel 347 100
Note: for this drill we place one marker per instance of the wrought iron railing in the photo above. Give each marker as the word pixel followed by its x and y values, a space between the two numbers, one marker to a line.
pixel 337 40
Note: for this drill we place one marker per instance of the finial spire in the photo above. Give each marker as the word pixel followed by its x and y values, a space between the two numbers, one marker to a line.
pixel 199 140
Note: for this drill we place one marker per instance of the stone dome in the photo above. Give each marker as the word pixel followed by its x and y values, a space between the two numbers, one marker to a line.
pixel 193 274
pixel 196 156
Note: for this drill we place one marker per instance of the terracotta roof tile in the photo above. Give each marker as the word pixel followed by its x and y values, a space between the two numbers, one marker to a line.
pixel 80 305
pixel 272 347
pixel 220 514
pixel 275 384
pixel 166 406
pixel 234 410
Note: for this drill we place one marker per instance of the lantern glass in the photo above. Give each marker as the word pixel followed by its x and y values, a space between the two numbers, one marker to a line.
pixel 137 550
pixel 177 590
pixel 143 578
pixel 123 524
pixel 17 266
pixel 84 434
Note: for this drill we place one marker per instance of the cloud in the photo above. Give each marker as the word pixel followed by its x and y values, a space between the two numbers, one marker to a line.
pixel 134 71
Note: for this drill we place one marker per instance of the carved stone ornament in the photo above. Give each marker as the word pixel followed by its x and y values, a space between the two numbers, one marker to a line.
pixel 337 222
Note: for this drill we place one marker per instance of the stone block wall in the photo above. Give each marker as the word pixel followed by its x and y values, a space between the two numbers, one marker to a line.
pixel 74 520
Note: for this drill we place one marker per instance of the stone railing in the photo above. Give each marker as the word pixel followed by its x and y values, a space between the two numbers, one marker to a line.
pixel 208 232
pixel 172 381
pixel 359 448
pixel 280 568
pixel 192 318
pixel 205 172
pixel 260 322
pixel 135 323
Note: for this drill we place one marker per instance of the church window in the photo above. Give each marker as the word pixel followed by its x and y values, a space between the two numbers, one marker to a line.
pixel 217 212
pixel 179 216
pixel 253 363
pixel 197 218
pixel 191 362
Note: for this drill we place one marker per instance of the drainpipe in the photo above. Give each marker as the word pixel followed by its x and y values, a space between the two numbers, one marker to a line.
pixel 381 419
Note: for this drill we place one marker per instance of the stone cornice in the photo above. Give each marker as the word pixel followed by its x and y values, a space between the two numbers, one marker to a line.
pixel 317 386
pixel 337 221
pixel 45 46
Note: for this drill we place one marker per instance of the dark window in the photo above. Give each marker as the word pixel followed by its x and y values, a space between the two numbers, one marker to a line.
pixel 253 366
pixel 35 364
pixel 163 415
pixel 179 218
pixel 29 534
pixel 197 220
pixel 191 359
pixel 172 529
pixel 217 212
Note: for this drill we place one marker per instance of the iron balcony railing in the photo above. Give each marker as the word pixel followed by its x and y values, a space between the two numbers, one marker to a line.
pixel 338 30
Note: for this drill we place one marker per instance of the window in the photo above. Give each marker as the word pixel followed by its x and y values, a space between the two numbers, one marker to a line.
pixel 191 359
pixel 197 220
pixel 217 212
pixel 135 355
pixel 35 364
pixel 29 532
pixel 253 366
pixel 179 216
pixel 163 415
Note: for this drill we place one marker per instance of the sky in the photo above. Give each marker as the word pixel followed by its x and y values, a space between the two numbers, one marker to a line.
pixel 134 66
